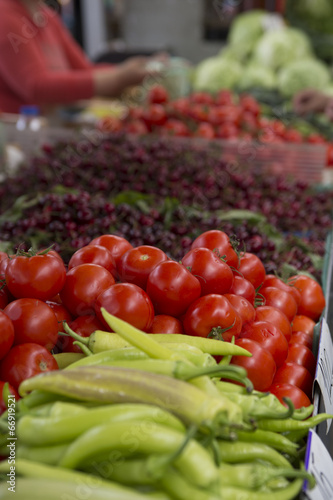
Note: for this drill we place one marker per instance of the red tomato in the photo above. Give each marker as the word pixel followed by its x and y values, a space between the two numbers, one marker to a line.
pixel 136 127
pixel 244 288
pixel 166 324
pixel 176 128
pixel 110 124
pixel 252 269
pixel 302 355
pixel 6 334
pixel 294 374
pixel 270 337
pixel 249 122
pixel 301 338
pixel 172 288
pixel 211 315
pixel 224 97
pixel 128 302
pixel 260 367
pixel 199 112
pixel 33 321
pixel 83 285
pixel 280 299
pixel 5 297
pixel 297 396
pixel 272 280
pixel 137 263
pixel 227 131
pixel 25 361
pixel 316 139
pixel 62 314
pixel 157 94
pixel 180 107
pixel 116 244
pixel 219 242
pixel 214 275
pixel 312 297
pixel 154 115
pixel 250 105
pixel 293 135
pixel 3 403
pixel 276 317
pixel 83 326
pixel 94 254
pixel 38 277
pixel 205 130
pixel 304 324
pixel 244 308
pixel 202 98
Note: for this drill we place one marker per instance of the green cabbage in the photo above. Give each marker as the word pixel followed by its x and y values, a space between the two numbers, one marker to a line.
pixel 255 75
pixel 299 75
pixel 216 73
pixel 245 31
pixel 277 48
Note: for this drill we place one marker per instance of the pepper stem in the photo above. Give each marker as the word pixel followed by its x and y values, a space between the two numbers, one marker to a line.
pixel 71 333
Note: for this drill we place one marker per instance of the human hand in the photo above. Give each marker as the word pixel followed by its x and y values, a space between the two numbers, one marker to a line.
pixel 309 101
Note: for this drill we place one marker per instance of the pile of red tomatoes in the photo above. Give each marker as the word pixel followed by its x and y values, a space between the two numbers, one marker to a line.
pixel 213 292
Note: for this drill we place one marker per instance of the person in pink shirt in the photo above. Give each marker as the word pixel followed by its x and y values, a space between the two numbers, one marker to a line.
pixel 41 64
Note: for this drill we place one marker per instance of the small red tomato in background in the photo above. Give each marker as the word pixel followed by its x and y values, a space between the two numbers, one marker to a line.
pixel 175 127
pixel 294 374
pixel 212 315
pixel 3 403
pixel 172 288
pixel 94 254
pixel 6 334
pixel 128 302
pixel 110 124
pixel 244 288
pixel 252 269
pixel 137 263
pixel 166 324
pixel 223 97
pixel 136 127
pixel 83 285
pixel 116 244
pixel 157 94
pixel 312 296
pixel 219 242
pixel 244 308
pixel 33 321
pixel 83 326
pixel 214 275
pixel 276 317
pixel 154 115
pixel 39 277
pixel 284 301
pixel 269 337
pixel 205 131
pixel 304 324
pixel 202 98
pixel 25 361
pixel 302 355
pixel 285 390
pixel 227 131
pixel 260 367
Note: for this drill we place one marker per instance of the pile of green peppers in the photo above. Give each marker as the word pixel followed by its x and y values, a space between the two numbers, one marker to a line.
pixel 147 419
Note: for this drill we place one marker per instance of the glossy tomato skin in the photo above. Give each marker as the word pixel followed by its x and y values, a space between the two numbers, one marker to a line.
pixel 137 263
pixel 3 403
pixel 128 302
pixel 312 296
pixel 83 285
pixel 260 367
pixel 33 321
pixel 172 288
pixel 269 337
pixel 294 374
pixel 5 297
pixel 158 94
pixel 272 280
pixel 115 244
pixel 212 312
pixel 275 316
pixel 252 269
pixel 244 288
pixel 301 338
pixel 219 242
pixel 304 324
pixel 214 275
pixel 276 297
pixel 62 314
pixel 94 254
pixel 285 390
pixel 83 326
pixel 302 355
pixel 25 361
pixel 244 308
pixel 166 324
pixel 39 277
pixel 6 334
